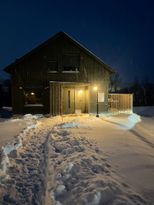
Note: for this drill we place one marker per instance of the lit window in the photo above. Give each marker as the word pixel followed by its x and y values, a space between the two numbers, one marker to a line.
pixel 33 96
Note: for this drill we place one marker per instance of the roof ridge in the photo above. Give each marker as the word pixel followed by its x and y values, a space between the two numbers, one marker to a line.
pixel 52 38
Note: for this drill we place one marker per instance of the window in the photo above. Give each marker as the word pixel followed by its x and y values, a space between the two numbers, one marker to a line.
pixel 71 63
pixel 33 96
pixel 69 99
pixel 52 66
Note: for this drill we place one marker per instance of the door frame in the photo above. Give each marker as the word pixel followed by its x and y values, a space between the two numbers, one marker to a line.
pixel 57 95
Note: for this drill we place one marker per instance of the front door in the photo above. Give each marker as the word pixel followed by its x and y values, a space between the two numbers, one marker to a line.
pixel 80 100
pixel 68 100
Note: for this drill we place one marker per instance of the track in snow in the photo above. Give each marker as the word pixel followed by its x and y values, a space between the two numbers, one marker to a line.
pixel 28 169
pixel 55 167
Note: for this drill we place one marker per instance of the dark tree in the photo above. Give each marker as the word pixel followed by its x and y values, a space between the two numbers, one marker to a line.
pixel 143 92
pixel 115 82
pixel 1 96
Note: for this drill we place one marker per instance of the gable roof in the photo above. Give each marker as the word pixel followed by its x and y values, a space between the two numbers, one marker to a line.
pixel 61 33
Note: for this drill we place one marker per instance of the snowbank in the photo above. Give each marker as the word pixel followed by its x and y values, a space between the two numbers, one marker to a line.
pixel 70 125
pixel 125 122
pixel 4 164
pixel 30 116
pixel 7 108
pixel 133 119
pixel 13 147
pixel 114 113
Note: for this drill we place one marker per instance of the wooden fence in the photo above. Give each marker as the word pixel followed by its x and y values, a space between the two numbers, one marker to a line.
pixel 120 103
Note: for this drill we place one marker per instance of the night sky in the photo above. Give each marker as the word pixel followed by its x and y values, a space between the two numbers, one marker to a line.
pixel 120 32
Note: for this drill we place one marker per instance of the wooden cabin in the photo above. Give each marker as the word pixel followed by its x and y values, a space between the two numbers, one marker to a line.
pixel 58 77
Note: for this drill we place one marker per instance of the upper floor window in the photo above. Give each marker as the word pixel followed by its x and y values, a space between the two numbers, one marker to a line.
pixel 71 63
pixel 52 66
pixel 33 96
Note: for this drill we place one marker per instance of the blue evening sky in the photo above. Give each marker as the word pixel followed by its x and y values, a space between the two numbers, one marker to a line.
pixel 120 32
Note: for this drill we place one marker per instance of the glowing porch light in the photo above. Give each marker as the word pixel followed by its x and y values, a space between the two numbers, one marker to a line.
pixel 32 93
pixel 80 92
pixel 95 88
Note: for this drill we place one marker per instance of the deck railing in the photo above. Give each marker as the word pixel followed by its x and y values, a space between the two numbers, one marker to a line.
pixel 120 103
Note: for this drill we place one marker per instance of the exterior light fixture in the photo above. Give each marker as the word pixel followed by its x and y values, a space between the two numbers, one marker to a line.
pixel 80 92
pixel 32 93
pixel 95 88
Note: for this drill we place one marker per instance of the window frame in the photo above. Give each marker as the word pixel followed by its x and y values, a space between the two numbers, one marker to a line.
pixel 77 67
pixel 52 71
pixel 37 93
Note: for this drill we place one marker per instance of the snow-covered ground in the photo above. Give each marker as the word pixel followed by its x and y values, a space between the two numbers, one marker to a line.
pixel 10 128
pixel 147 111
pixel 81 160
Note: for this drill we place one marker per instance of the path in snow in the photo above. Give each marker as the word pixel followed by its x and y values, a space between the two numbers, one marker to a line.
pixel 25 182
pixel 57 164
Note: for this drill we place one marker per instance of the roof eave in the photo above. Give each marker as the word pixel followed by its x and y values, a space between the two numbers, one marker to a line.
pixel 9 67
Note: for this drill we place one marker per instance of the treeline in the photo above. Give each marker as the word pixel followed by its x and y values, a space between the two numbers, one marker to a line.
pixel 143 91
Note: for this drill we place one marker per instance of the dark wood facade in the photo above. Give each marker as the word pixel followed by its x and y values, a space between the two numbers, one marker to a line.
pixel 39 78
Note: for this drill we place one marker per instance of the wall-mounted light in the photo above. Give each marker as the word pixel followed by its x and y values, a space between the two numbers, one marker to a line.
pixel 32 93
pixel 95 88
pixel 80 92
pixel 20 87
